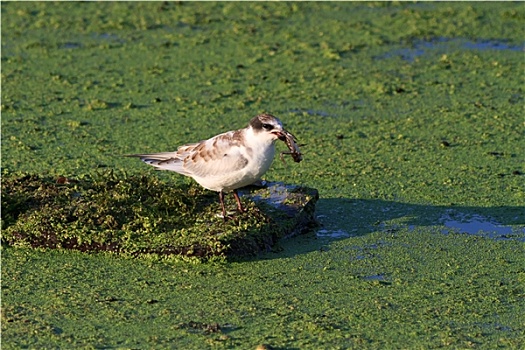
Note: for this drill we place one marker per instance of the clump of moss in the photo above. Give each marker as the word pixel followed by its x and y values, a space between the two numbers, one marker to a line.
pixel 132 215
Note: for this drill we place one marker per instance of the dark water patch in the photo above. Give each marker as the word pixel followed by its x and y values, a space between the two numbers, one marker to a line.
pixel 344 219
pixel 70 45
pixel 378 277
pixel 475 224
pixel 496 326
pixel 492 45
pixel 312 112
pixel 444 45
pixel 332 234
pixel 108 37
pixel 87 41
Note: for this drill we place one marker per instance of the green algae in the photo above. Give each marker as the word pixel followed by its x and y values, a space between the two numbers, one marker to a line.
pixel 141 216
pixel 432 294
pixel 392 139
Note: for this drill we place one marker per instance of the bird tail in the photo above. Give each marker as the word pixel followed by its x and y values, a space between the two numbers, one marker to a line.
pixel 162 161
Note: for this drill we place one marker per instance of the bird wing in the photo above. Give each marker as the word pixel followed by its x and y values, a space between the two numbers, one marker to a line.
pixel 218 155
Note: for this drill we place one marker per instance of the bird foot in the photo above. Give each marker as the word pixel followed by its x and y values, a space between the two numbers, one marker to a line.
pixel 226 216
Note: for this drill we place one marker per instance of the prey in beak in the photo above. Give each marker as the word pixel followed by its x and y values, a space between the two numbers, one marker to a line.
pixel 291 142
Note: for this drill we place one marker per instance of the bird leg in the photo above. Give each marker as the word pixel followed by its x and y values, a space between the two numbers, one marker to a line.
pixel 221 200
pixel 239 204
pixel 237 198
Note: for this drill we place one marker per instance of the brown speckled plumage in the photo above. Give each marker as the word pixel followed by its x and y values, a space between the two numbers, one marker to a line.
pixel 227 161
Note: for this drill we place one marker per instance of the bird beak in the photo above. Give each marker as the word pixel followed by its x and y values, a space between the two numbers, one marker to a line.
pixel 285 135
pixel 281 135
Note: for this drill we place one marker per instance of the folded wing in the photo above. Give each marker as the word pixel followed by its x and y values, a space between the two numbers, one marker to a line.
pixel 213 157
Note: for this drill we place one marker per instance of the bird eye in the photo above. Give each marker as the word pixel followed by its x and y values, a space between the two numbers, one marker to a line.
pixel 267 126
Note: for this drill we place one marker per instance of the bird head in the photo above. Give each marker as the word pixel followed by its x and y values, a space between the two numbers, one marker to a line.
pixel 270 126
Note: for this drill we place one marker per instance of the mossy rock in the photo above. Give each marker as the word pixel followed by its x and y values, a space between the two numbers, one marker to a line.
pixel 146 216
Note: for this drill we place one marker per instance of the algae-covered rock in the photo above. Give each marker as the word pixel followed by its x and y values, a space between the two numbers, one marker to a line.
pixel 143 215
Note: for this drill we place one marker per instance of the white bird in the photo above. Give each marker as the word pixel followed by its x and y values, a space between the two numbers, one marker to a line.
pixel 227 161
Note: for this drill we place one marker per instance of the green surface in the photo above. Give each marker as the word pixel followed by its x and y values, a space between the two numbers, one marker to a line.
pixel 140 216
pixel 406 110
pixel 381 290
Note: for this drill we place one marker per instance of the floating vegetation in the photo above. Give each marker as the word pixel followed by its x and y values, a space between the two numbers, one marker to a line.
pixel 142 215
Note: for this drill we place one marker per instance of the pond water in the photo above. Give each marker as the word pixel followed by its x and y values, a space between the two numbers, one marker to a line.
pixel 475 224
pixel 451 221
pixel 445 45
